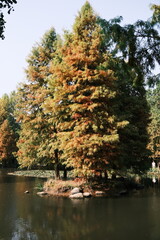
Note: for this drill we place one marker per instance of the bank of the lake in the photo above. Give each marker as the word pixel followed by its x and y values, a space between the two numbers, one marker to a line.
pixel 81 188
pixel 29 216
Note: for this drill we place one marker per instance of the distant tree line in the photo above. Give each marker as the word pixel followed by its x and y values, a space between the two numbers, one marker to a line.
pixel 85 106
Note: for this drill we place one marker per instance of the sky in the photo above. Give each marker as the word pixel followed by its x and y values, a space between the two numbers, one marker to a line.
pixel 32 18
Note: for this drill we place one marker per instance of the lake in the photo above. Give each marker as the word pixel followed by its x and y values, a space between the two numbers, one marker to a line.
pixel 31 217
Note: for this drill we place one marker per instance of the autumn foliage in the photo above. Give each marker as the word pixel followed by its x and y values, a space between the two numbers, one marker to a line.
pixel 83 106
pixel 83 102
pixel 8 132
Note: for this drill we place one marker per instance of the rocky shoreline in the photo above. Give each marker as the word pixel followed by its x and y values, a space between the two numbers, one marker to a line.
pixel 100 190
pixel 79 188
pixel 77 193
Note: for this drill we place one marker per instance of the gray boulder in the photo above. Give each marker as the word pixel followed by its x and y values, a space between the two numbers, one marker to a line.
pixel 41 193
pixel 87 194
pixel 26 191
pixel 99 193
pixel 76 196
pixel 75 190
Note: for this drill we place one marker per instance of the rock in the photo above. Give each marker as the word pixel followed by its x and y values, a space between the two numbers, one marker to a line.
pixel 26 191
pixel 87 194
pixel 99 193
pixel 41 193
pixel 75 190
pixel 76 195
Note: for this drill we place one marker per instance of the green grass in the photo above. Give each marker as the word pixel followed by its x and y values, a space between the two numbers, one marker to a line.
pixel 39 173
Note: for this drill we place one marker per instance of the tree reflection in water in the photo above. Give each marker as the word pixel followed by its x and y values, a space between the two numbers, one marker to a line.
pixel 22 231
pixel 31 217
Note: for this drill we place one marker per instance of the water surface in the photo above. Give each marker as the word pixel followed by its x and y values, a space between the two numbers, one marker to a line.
pixel 29 216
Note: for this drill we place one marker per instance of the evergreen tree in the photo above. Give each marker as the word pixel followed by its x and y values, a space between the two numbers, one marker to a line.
pixel 83 99
pixel 153 98
pixel 35 144
pixel 8 131
pixel 135 49
pixel 137 44
pixel 133 107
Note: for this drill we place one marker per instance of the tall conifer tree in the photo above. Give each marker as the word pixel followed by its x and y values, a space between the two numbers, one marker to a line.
pixel 133 107
pixel 153 97
pixel 37 134
pixel 8 131
pixel 83 100
pixel 135 50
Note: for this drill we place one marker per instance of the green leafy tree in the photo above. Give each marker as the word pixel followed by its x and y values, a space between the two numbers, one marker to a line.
pixel 37 133
pixel 135 49
pixel 153 98
pixel 86 97
pixel 133 107
pixel 137 44
pixel 8 131
pixel 83 99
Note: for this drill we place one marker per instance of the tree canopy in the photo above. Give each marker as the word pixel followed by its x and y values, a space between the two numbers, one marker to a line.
pixel 35 133
pixel 153 97
pixel 5 4
pixel 83 100
pixel 84 104
pixel 8 131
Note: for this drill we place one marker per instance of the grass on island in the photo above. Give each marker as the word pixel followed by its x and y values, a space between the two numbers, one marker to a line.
pixel 63 187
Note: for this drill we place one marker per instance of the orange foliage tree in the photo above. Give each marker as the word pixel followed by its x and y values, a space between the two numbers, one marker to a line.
pixel 83 104
pixel 8 132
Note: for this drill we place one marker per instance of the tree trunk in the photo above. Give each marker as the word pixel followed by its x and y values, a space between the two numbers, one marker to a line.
pixel 65 173
pixel 105 175
pixel 113 176
pixel 57 174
